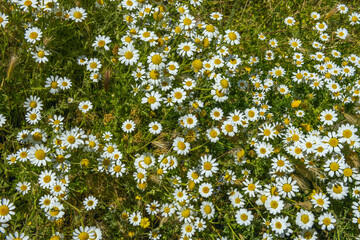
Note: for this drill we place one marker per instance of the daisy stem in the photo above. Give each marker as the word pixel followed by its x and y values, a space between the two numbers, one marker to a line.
pixel 81 220
pixel 232 230
pixel 193 149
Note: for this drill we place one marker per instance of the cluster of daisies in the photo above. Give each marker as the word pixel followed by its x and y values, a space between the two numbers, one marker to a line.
pixel 289 147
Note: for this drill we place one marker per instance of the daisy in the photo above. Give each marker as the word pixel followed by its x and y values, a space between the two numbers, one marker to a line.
pixel 53 82
pixel 186 49
pixel 77 14
pixel 328 117
pixel 251 114
pixel 232 37
pixel 354 18
pixel 185 214
pixel 32 35
pixel 267 131
pixel 23 187
pixel 153 98
pixel 93 64
pixel 71 139
pixel 65 83
pixel 207 209
pixel 210 31
pixel 261 36
pixel 90 203
pixel 56 122
pixel 332 142
pixel 33 116
pixel 3 20
pixel 304 219
pixel 55 211
pixel 85 106
pixel 274 204
pixel 315 16
pixel 320 200
pixel 342 8
pixel 17 236
pixel 237 200
pixel 189 84
pixel 155 128
pixel 263 150
pixel 22 154
pixel 128 126
pixel 11 158
pixel 287 187
pixel 156 61
pixel 180 146
pixel 216 114
pixel 342 33
pixel 128 55
pixel 188 229
pixel 101 42
pixel 326 221
pixel 347 133
pixel 334 166
pixel 178 95
pixel 39 54
pixel 82 233
pixel 172 67
pixel 46 178
pixel 6 210
pixel 209 166
pixel 213 134
pixel 2 120
pixel 200 224
pixel 280 225
pixel 251 188
pixel 57 188
pixel 338 190
pixel 152 208
pixel 273 43
pixel 205 190
pixel 295 43
pixel 290 21
pixel 321 26
pixel 216 16
pixel 37 155
pixel 244 217
pixel 167 210
pixel 107 136
pixel 229 128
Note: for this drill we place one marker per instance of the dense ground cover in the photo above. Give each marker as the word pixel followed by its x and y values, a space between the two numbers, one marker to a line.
pixel 179 119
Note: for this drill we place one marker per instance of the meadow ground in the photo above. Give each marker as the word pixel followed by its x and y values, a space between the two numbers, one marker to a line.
pixel 151 119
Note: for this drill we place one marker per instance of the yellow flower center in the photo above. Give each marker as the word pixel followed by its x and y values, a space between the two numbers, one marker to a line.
pixel 4 210
pixel 185 213
pixel 41 54
pixel 83 236
pixel 207 166
pixel 128 55
pixel 117 169
pixel 274 204
pixel 181 145
pixel 287 187
pixel 232 36
pixel 305 219
pixel 333 142
pixel 40 154
pixel 78 15
pixel 251 187
pixel 33 35
pixel 156 59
